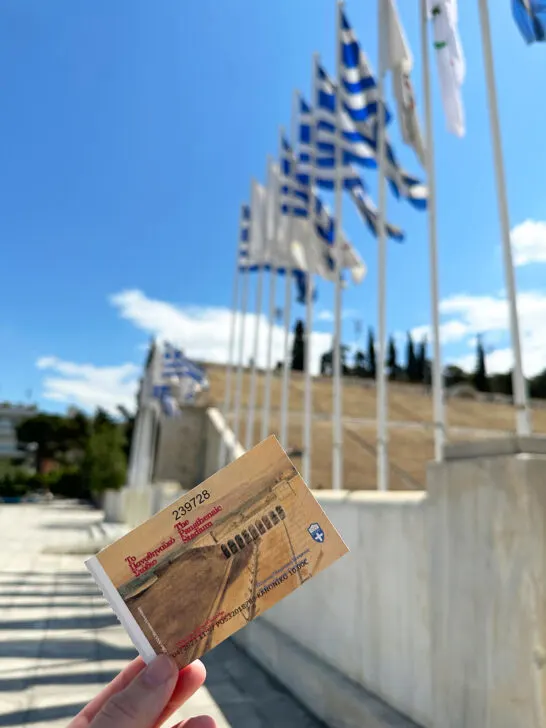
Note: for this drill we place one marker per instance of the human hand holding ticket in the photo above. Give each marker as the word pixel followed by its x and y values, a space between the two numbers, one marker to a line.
pixel 145 696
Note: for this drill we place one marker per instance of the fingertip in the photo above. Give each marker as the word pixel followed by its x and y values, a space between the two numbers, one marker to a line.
pixel 199 669
pixel 200 721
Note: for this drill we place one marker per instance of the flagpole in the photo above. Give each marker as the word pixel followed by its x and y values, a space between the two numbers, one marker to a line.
pixel 523 419
pixel 249 435
pixel 231 350
pixel 308 392
pixel 286 367
pixel 287 363
pixel 262 261
pixel 283 433
pixel 239 383
pixel 437 374
pixel 381 386
pixel 337 433
pixel 268 376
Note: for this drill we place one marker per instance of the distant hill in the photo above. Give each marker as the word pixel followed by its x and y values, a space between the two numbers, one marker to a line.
pixel 411 444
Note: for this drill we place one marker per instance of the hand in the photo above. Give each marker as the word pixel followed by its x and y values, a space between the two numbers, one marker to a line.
pixel 145 696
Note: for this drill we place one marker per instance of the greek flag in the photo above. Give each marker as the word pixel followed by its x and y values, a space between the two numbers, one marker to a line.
pixel 323 171
pixel 301 280
pixel 244 234
pixel 364 147
pixel 312 248
pixel 355 148
pixel 167 403
pixel 359 93
pixel 530 17
pixel 368 210
pixel 175 364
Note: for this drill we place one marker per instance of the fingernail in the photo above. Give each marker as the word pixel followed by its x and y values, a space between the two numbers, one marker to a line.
pixel 159 671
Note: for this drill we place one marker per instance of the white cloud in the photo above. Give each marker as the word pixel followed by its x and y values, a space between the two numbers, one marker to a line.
pixel 89 386
pixel 346 314
pixel 325 316
pixel 450 331
pixel 202 333
pixel 488 315
pixel 529 242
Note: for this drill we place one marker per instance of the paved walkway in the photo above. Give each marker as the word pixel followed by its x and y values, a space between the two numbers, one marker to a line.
pixel 60 643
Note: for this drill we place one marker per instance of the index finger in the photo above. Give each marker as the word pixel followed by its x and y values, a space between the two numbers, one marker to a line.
pixel 119 683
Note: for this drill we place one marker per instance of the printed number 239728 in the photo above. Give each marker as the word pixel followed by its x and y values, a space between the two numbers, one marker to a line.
pixel 190 504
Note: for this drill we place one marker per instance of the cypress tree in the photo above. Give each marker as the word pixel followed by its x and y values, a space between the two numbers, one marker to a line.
pixel 421 361
pixel 481 382
pixel 392 359
pixel 411 361
pixel 371 354
pixel 298 348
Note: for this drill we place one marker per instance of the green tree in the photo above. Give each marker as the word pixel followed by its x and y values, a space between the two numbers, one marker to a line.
pixel 411 360
pixel 44 431
pixel 421 364
pixel 105 462
pixel 455 375
pixel 327 362
pixel 392 359
pixel 371 366
pixel 537 385
pixel 298 347
pixel 502 384
pixel 481 382
pixel 360 369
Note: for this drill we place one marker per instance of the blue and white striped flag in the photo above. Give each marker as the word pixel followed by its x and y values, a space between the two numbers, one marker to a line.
pixel 313 248
pixel 365 147
pixel 359 92
pixel 323 172
pixel 368 210
pixel 322 123
pixel 176 364
pixel 530 17
pixel 244 234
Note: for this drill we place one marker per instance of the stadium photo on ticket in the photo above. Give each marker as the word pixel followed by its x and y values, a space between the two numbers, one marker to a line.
pixel 216 558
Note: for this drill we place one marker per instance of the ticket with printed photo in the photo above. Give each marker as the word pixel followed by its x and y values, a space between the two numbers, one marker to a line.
pixel 199 570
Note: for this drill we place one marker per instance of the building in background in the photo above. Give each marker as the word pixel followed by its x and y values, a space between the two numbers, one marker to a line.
pixel 12 415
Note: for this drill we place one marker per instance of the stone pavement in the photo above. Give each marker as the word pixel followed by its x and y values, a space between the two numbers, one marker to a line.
pixel 60 643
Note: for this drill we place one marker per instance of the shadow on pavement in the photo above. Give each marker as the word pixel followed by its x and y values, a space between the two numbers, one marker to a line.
pixel 12 684
pixel 34 605
pixel 40 715
pixel 42 594
pixel 66 649
pixel 83 622
pixel 64 526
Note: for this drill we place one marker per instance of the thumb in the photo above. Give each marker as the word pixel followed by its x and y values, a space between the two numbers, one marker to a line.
pixel 141 703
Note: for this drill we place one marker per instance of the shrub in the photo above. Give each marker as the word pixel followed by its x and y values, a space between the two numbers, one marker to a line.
pixel 12 486
pixel 66 482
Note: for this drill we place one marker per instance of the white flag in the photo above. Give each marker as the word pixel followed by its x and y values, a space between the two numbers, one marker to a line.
pixel 398 59
pixel 450 59
pixel 314 255
pixel 257 245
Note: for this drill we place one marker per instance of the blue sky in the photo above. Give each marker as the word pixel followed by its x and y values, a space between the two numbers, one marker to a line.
pixel 128 137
